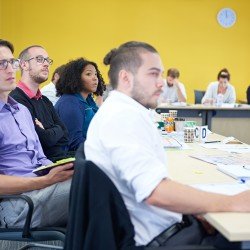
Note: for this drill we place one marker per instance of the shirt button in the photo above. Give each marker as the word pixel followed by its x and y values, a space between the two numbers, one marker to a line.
pixel 18 147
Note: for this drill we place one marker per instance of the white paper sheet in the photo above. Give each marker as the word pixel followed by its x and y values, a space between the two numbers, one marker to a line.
pixel 228 189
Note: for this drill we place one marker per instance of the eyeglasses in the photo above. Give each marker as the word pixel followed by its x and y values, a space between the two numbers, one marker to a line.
pixel 41 60
pixel 13 62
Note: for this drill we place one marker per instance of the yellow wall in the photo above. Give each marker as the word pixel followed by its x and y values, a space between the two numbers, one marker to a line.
pixel 185 32
pixel 0 18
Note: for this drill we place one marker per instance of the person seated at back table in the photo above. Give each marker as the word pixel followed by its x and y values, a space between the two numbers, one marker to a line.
pixel 76 107
pixel 173 90
pixel 49 90
pixel 20 154
pixel 220 89
pixel 34 63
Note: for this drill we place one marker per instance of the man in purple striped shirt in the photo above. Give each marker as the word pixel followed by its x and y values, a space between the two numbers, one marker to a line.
pixel 20 154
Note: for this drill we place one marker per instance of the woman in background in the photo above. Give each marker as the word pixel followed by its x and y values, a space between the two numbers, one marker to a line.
pixel 220 91
pixel 76 107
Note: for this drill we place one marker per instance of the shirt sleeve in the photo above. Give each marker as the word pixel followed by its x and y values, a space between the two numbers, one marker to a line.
pixel 208 94
pixel 232 95
pixel 50 136
pixel 50 95
pixel 183 90
pixel 132 155
pixel 40 156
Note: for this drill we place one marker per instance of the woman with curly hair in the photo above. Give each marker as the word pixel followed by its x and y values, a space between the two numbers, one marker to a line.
pixel 76 107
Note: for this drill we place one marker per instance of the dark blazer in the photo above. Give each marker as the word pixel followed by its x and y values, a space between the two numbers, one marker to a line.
pixel 98 218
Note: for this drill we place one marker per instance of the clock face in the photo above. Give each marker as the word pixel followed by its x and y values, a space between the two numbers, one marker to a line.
pixel 226 17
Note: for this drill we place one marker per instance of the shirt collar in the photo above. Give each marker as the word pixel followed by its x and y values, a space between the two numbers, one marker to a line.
pixel 128 99
pixel 28 91
pixel 10 102
pixel 81 98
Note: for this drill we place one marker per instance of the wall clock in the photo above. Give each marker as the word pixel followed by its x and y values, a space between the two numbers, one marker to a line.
pixel 226 17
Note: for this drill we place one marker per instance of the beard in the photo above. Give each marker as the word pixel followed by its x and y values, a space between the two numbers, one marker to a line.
pixel 170 84
pixel 139 95
pixel 38 79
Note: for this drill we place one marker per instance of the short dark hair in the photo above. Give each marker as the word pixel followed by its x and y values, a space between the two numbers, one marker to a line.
pixel 127 56
pixel 24 54
pixel 225 70
pixel 7 44
pixel 70 81
pixel 58 71
pixel 172 72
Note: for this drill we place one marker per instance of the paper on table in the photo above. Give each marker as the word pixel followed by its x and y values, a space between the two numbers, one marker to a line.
pixel 239 172
pixel 237 150
pixel 181 104
pixel 169 142
pixel 228 189
pixel 224 146
pixel 222 159
pixel 174 140
pixel 228 105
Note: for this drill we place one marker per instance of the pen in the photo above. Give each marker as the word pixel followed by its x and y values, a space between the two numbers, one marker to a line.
pixel 247 167
pixel 244 180
pixel 212 141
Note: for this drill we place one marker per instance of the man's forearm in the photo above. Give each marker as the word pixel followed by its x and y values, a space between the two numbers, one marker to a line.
pixel 181 96
pixel 184 199
pixel 18 185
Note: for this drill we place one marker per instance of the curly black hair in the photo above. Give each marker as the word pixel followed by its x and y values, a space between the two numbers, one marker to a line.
pixel 70 81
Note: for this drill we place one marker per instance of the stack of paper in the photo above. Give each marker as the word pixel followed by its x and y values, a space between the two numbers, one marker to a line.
pixel 240 172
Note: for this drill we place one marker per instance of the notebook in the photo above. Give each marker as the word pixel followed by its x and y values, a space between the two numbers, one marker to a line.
pixel 240 172
pixel 43 170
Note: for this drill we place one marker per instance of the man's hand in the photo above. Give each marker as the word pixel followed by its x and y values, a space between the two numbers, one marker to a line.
pixel 38 123
pixel 60 173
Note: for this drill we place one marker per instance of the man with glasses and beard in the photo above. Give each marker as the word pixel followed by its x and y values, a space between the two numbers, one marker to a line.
pixel 34 64
pixel 20 154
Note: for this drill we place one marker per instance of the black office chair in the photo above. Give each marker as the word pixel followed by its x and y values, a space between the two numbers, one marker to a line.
pixel 31 235
pixel 198 95
pixel 98 217
pixel 248 95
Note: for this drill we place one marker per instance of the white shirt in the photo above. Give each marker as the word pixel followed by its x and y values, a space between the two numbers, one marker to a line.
pixel 124 142
pixel 212 92
pixel 50 91
pixel 170 93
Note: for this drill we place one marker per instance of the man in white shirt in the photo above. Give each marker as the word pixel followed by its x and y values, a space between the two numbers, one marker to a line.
pixel 124 142
pixel 49 90
pixel 173 90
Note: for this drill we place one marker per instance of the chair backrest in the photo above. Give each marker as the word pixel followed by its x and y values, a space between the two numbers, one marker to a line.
pixel 198 95
pixel 98 217
pixel 248 95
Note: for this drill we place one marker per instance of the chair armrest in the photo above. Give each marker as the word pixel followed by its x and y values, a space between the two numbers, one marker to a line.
pixel 26 228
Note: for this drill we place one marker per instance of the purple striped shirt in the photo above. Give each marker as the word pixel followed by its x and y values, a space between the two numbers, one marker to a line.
pixel 20 148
